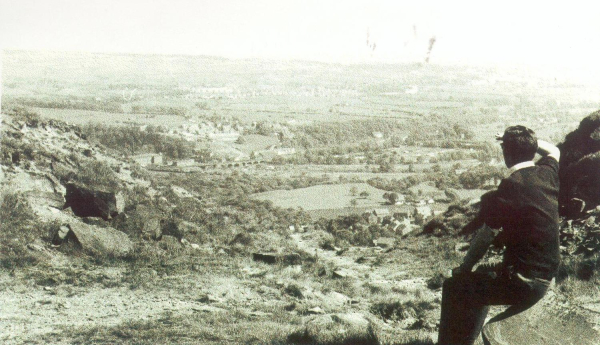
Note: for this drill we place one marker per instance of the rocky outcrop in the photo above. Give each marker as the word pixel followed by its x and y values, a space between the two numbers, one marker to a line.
pixel 580 186
pixel 580 168
pixel 39 188
pixel 541 324
pixel 87 202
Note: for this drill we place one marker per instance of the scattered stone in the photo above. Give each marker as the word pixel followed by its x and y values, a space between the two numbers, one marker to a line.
pixel 170 243
pixel 94 240
pixel 186 228
pixel 93 203
pixel 62 233
pixel 208 298
pixel 341 251
pixel 315 311
pixel 461 247
pixel 270 258
pixel 254 272
pixel 274 258
pixel 351 328
pixel 342 273
pixel 365 259
pixel 36 246
pixel 385 242
pixel 171 227
pixel 336 298
pixel 181 192
pixel 208 309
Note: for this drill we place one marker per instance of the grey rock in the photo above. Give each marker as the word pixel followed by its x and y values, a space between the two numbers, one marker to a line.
pixel 385 242
pixel 94 240
pixel 541 324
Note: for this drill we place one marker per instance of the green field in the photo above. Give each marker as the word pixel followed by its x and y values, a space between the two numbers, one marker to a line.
pixel 324 197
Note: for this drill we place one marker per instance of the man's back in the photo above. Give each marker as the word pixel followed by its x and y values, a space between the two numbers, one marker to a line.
pixel 526 207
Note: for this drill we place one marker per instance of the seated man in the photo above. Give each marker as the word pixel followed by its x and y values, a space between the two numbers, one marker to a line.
pixel 522 216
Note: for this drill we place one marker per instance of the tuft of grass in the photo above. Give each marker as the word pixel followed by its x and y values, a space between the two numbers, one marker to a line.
pixel 397 310
pixel 95 174
pixel 304 337
pixel 578 275
pixel 436 281
pixel 294 290
pixel 32 119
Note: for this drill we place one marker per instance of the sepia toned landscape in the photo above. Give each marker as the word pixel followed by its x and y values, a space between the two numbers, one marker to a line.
pixel 179 199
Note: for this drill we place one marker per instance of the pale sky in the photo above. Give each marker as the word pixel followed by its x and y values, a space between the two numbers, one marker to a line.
pixel 565 34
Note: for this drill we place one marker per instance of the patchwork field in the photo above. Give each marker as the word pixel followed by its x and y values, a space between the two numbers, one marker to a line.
pixel 325 197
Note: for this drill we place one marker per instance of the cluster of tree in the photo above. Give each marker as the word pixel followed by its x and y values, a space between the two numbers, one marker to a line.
pixel 391 198
pixel 19 113
pixel 340 133
pixel 354 230
pixel 131 140
pixel 109 105
pixel 226 205
pixel 480 176
pixel 158 110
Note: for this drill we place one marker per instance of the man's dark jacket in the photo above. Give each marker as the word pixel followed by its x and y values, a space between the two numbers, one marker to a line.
pixel 525 206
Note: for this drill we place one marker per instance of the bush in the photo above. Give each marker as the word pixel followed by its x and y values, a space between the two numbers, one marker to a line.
pixel 401 310
pixel 32 119
pixel 92 174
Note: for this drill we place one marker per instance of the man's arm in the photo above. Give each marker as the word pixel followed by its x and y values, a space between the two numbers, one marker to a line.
pixel 547 149
pixel 479 246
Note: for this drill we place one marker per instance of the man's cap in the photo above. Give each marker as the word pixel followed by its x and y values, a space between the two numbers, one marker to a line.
pixel 518 131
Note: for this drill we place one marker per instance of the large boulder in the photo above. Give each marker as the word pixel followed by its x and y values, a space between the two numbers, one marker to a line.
pixel 579 168
pixel 339 329
pixel 582 141
pixel 581 181
pixel 40 189
pixel 86 202
pixel 94 240
pixel 541 325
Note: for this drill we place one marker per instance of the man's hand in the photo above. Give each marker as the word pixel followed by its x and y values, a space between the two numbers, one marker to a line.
pixel 547 149
pixel 462 269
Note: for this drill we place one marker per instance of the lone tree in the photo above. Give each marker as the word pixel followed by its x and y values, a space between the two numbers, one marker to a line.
pixel 391 198
pixel 364 194
pixel 353 190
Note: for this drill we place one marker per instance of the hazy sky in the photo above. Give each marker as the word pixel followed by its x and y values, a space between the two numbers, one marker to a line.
pixel 534 32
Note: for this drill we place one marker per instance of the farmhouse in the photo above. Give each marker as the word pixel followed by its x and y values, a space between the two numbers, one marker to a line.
pixel 424 211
